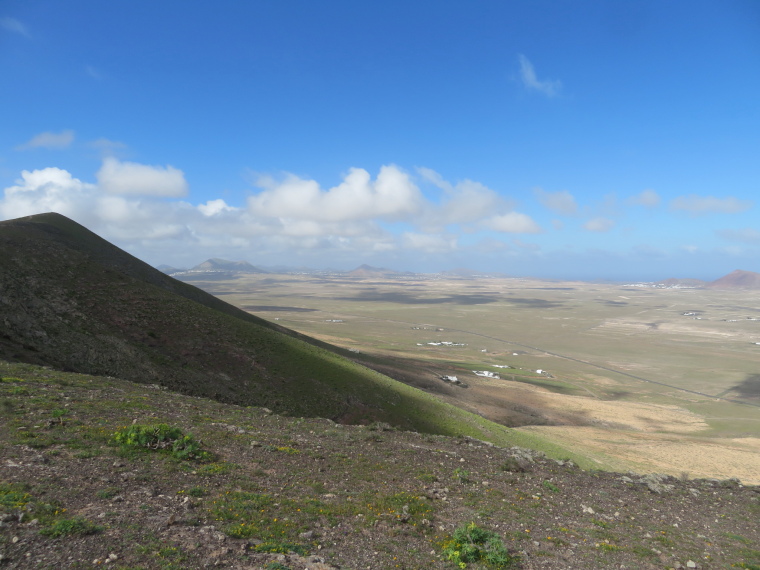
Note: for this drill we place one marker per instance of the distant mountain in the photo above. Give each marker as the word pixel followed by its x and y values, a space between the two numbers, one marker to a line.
pixel 738 279
pixel 168 269
pixel 367 271
pixel 72 301
pixel 222 265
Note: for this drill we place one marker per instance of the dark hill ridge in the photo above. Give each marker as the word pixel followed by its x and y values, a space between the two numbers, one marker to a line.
pixel 71 300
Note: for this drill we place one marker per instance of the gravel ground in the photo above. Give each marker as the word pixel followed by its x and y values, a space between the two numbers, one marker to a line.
pixel 296 493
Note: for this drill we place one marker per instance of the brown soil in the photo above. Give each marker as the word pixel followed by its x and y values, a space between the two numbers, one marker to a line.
pixel 345 497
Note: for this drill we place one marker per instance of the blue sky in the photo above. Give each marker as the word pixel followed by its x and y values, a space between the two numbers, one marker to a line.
pixel 578 140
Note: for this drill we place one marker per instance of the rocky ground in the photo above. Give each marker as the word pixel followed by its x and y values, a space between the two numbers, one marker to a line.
pixel 280 493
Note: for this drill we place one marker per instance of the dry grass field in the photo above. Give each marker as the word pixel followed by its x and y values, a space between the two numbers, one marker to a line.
pixel 634 377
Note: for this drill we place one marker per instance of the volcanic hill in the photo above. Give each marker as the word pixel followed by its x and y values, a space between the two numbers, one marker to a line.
pixel 738 279
pixel 75 302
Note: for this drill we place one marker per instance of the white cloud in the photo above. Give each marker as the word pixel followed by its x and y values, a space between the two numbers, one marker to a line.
pixel 599 225
pixel 215 207
pixel 49 140
pixel 290 221
pixel 698 205
pixel 530 81
pixel 465 202
pixel 561 202
pixel 47 190
pixel 391 196
pixel 647 198
pixel 131 178
pixel 513 223
pixel 13 25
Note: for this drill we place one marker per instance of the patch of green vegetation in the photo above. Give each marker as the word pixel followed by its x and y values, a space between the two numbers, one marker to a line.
pixel 14 496
pixel 750 559
pixel 427 477
pixel 738 538
pixel 550 486
pixel 108 493
pixel 471 544
pixel 461 475
pixel 160 437
pixel 71 527
pixel 282 449
pixel 280 548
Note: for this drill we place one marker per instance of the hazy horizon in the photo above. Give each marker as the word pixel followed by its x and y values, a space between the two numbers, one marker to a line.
pixel 274 267
pixel 593 141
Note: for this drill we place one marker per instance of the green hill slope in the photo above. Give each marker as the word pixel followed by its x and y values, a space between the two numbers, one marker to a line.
pixel 75 302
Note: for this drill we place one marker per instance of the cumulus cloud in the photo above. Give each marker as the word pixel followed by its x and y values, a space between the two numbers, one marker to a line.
pixel 465 202
pixel 49 140
pixel 513 223
pixel 699 205
pixel 599 225
pixel 141 209
pixel 391 196
pixel 215 207
pixel 13 25
pixel 530 81
pixel 47 190
pixel 647 198
pixel 561 202
pixel 116 177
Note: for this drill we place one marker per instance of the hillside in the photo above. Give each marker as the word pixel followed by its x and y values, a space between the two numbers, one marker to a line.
pixel 738 279
pixel 73 301
pixel 265 492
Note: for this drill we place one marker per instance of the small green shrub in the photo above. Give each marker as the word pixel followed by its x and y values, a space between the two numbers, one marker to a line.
pixel 471 543
pixel 14 496
pixel 281 548
pixel 69 527
pixel 551 486
pixel 160 437
pixel 461 475
pixel 427 477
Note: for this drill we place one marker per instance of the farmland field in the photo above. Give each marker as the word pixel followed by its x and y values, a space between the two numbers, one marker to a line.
pixel 634 377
